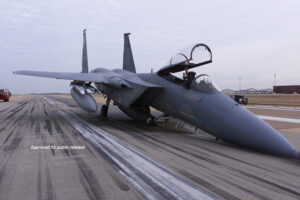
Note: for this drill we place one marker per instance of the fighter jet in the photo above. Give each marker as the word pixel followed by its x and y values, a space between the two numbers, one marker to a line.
pixel 191 98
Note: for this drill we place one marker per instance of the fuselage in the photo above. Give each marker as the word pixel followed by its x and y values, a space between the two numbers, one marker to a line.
pixel 220 116
pixel 203 110
pixel 215 113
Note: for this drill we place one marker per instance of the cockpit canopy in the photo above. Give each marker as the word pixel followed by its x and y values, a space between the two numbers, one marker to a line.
pixel 189 57
pixel 204 84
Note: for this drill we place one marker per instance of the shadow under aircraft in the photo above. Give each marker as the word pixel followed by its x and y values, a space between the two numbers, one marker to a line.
pixel 193 98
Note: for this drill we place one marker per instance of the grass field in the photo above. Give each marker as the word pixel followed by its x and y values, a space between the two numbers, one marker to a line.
pixel 274 99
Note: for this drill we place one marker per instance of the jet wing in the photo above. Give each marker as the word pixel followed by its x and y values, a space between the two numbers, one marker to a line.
pixel 127 90
pixel 88 77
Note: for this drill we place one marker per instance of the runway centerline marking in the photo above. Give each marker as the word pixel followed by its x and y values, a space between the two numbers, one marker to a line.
pixel 274 108
pixel 153 180
pixel 281 119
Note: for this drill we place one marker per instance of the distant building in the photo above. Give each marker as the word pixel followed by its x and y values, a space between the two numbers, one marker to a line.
pixel 287 89
pixel 228 91
pixel 249 91
pixel 266 91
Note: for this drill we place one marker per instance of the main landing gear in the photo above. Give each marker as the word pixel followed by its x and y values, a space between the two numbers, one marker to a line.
pixel 104 109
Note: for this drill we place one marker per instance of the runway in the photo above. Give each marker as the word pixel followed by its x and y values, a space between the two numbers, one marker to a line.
pixel 120 159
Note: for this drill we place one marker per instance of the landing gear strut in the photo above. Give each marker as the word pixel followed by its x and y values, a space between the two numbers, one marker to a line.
pixel 104 109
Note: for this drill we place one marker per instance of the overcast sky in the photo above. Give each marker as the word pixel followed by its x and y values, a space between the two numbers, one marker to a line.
pixel 249 39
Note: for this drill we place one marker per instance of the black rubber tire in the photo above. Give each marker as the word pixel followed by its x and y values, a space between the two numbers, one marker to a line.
pixel 104 111
pixel 150 121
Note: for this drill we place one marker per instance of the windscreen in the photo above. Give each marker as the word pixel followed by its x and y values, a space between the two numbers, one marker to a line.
pixel 203 83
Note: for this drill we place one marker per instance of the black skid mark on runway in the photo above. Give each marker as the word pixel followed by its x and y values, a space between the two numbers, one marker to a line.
pixel 4 109
pixel 75 133
pixel 86 175
pixel 39 179
pixel 19 119
pixel 255 179
pixel 258 196
pixel 123 186
pixel 238 160
pixel 23 102
pixel 89 149
pixel 2 170
pixel 129 129
pixel 32 109
pixel 57 127
pixel 88 180
pixel 31 122
pixel 161 191
pixel 20 105
pixel 217 163
pixel 151 142
pixel 282 170
pixel 50 192
pixel 2 129
pixel 13 112
pixel 67 152
pixel 48 126
pixel 37 130
pixel 68 102
pixel 14 143
pixel 209 186
pixel 52 150
pixel 8 136
pixel 45 108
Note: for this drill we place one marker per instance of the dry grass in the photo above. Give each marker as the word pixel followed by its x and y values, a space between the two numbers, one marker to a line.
pixel 274 99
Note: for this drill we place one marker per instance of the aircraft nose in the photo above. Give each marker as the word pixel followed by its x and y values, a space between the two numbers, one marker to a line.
pixel 243 128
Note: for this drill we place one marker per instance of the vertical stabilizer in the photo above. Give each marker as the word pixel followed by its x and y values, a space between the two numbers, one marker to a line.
pixel 85 65
pixel 128 62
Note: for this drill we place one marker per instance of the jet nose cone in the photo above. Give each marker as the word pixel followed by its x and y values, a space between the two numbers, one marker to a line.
pixel 243 128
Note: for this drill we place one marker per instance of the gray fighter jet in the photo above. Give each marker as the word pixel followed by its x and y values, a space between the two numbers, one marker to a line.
pixel 191 98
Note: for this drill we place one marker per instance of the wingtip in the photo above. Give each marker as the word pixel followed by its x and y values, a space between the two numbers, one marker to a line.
pixel 19 72
pixel 84 31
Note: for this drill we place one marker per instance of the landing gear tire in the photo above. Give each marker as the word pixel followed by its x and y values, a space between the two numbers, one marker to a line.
pixel 104 111
pixel 150 121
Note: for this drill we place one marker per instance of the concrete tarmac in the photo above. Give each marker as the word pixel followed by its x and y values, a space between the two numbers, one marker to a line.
pixel 52 149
